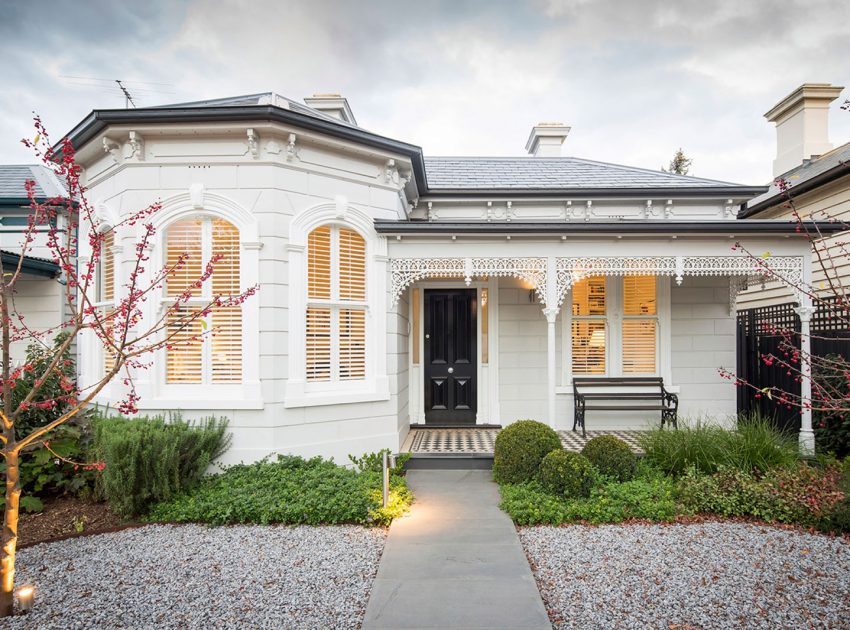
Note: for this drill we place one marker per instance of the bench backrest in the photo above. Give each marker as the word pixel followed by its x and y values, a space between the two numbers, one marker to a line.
pixel 617 381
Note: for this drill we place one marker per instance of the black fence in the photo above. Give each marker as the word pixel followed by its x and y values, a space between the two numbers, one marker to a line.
pixel 758 334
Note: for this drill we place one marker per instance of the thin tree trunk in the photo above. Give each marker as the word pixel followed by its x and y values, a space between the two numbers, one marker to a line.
pixel 10 534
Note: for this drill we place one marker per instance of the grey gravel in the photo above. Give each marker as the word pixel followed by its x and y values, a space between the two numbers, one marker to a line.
pixel 712 575
pixel 190 576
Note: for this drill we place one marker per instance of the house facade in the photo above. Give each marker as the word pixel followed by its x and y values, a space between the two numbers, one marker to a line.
pixel 398 289
pixel 40 298
pixel 816 176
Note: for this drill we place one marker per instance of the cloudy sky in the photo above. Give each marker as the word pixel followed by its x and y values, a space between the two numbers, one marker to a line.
pixel 634 79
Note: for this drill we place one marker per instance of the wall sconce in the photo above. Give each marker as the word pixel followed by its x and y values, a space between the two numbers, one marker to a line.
pixel 26 598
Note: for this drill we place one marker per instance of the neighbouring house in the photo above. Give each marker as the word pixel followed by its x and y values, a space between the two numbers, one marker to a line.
pixel 818 180
pixel 40 296
pixel 398 289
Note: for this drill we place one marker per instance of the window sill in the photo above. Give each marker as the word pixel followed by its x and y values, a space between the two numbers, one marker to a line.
pixel 375 391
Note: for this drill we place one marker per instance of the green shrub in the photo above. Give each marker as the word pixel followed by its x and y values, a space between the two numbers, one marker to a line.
pixel 612 457
pixel 707 448
pixel 289 490
pixel 566 473
pixel 805 495
pixel 152 459
pixel 520 447
pixel 374 462
pixel 650 498
pixel 43 469
pixel 832 428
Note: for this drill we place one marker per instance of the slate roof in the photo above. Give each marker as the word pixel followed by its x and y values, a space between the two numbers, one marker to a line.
pixel 263 98
pixel 537 173
pixel 13 177
pixel 803 177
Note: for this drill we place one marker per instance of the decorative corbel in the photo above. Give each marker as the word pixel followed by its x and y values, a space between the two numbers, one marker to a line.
pixel 680 270
pixel 730 212
pixel 647 209
pixel 588 210
pixel 111 147
pixel 253 143
pixel 291 150
pixel 390 172
pixel 509 211
pixel 568 207
pixel 341 203
pixel 489 211
pixel 135 147
pixel 430 209
pixel 668 209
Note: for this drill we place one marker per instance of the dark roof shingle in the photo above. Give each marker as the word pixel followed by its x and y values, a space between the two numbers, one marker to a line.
pixel 536 173
pixel 14 176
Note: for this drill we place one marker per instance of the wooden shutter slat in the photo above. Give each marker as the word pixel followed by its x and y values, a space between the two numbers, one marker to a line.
pixel 184 236
pixel 184 363
pixel 639 295
pixel 352 344
pixel 319 263
pixel 588 346
pixel 352 266
pixel 639 346
pixel 318 358
pixel 588 296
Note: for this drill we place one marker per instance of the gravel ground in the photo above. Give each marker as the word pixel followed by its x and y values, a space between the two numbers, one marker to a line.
pixel 190 576
pixel 712 575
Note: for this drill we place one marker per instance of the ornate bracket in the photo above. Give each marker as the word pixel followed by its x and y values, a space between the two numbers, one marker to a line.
pixel 253 143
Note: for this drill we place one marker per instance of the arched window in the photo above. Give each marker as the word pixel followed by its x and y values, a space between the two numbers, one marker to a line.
pixel 336 305
pixel 211 348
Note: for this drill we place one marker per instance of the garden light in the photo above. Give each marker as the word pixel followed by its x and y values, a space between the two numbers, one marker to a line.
pixel 26 598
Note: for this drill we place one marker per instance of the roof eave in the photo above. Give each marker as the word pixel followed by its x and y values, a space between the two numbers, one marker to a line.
pixel 31 266
pixel 712 192
pixel 810 184
pixel 87 129
pixel 618 227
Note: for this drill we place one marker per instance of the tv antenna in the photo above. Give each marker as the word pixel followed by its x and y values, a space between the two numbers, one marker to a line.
pixel 131 91
pixel 128 100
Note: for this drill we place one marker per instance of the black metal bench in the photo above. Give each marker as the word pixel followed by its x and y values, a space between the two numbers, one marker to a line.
pixel 653 397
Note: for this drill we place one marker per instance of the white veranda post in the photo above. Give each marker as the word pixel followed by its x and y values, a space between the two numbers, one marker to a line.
pixel 551 313
pixel 807 435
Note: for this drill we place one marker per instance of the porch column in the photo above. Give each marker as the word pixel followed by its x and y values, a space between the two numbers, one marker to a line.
pixel 551 313
pixel 551 316
pixel 807 436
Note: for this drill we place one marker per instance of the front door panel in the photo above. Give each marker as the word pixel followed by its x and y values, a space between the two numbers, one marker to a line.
pixel 450 356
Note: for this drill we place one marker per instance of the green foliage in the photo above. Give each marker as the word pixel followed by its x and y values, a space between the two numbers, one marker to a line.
pixel 612 457
pixel 708 448
pixel 153 459
pixel 680 164
pixel 804 495
pixel 520 447
pixel 832 428
pixel 44 472
pixel 566 473
pixel 373 462
pixel 651 498
pixel 289 490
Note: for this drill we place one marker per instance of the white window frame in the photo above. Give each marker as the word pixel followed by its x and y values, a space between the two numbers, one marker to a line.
pixel 151 385
pixel 614 318
pixel 375 387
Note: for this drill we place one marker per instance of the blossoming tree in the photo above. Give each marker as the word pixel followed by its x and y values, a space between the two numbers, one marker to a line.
pixel 129 339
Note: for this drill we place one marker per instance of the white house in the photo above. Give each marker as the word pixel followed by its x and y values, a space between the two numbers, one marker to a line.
pixel 398 289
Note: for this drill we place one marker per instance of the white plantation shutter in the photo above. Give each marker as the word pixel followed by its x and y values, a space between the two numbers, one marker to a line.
pixel 640 325
pixel 209 350
pixel 336 305
pixel 106 292
pixel 588 329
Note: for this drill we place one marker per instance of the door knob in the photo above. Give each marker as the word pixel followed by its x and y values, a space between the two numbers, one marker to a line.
pixel 451 370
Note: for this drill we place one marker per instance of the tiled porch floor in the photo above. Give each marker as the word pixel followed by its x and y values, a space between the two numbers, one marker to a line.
pixel 481 441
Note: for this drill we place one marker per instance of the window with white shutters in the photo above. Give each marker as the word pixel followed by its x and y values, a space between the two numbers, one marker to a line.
pixel 613 326
pixel 640 325
pixel 336 305
pixel 208 350
pixel 105 294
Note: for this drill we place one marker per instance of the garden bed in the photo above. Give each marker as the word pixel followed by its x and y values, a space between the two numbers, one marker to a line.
pixel 65 517
pixel 191 576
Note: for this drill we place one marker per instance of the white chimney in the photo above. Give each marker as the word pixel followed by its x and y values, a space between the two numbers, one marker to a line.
pixel 334 105
pixel 802 125
pixel 546 139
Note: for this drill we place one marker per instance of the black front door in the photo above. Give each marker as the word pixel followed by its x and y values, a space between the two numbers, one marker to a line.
pixel 450 351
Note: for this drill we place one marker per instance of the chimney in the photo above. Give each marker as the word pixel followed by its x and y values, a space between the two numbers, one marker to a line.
pixel 546 139
pixel 802 125
pixel 333 105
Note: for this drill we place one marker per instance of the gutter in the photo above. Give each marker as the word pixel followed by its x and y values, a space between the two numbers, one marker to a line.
pixel 31 266
pixel 619 228
pixel 100 119
pixel 600 193
pixel 810 184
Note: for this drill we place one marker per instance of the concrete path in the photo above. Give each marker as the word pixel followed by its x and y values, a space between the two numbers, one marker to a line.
pixel 455 561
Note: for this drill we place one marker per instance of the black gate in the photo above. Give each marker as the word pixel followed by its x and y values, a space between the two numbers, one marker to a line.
pixel 759 333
